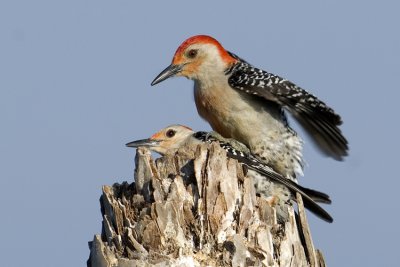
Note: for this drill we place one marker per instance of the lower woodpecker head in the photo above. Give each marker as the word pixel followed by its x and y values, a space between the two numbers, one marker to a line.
pixel 165 141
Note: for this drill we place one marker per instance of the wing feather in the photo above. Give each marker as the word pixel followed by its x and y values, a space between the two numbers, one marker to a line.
pixel 319 120
pixel 310 196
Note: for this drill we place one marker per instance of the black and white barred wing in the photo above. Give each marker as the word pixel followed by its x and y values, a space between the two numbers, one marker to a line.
pixel 320 121
pixel 309 195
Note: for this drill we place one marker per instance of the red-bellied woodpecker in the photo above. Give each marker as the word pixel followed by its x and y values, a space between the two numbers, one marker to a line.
pixel 268 183
pixel 246 103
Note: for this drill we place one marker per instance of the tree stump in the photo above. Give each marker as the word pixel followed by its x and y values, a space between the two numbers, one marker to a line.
pixel 196 208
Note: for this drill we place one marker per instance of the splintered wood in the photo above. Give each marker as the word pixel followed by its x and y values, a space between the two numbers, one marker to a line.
pixel 196 208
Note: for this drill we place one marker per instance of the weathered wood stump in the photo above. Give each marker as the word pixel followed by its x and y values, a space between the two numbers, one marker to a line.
pixel 196 208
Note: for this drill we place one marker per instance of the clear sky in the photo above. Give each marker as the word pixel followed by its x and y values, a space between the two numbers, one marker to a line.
pixel 75 87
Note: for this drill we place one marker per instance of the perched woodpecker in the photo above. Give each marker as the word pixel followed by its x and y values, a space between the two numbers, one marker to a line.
pixel 246 103
pixel 268 182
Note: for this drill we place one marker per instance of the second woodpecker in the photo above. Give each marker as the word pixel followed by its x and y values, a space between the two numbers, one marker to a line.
pixel 278 190
pixel 246 103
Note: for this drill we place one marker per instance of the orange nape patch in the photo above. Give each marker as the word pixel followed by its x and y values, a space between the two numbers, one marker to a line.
pixel 201 39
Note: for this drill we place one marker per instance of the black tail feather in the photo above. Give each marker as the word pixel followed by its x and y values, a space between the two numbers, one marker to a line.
pixel 317 210
pixel 317 196
pixel 308 200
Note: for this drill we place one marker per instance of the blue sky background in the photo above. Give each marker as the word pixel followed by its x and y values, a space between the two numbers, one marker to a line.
pixel 75 87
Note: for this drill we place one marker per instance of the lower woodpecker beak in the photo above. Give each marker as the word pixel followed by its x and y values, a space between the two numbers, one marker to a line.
pixel 143 143
pixel 170 71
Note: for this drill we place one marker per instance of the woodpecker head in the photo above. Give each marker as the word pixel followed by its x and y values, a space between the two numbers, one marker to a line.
pixel 165 141
pixel 198 56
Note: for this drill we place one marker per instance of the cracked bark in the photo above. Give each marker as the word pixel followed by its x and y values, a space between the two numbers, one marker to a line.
pixel 196 208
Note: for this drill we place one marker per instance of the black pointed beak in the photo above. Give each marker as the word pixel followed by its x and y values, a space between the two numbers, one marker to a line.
pixel 170 71
pixel 143 143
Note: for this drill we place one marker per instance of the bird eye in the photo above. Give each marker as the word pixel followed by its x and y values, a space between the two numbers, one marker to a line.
pixel 192 53
pixel 170 133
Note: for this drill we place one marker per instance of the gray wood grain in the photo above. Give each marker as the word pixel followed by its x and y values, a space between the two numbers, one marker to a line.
pixel 196 208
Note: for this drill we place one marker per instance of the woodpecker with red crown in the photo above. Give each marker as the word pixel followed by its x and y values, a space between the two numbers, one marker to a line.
pixel 246 103
pixel 278 190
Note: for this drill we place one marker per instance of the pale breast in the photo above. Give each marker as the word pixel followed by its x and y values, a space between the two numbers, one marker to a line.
pixel 237 115
pixel 255 122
